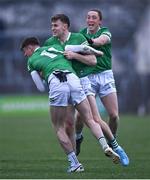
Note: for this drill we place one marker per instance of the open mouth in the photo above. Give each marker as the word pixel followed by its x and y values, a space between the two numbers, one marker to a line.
pixel 91 25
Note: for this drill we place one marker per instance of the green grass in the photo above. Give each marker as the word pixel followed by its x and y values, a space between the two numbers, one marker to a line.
pixel 30 150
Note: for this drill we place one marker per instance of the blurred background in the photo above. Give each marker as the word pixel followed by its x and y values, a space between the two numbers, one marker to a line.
pixel 128 21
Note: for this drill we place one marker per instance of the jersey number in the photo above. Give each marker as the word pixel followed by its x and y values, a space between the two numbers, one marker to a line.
pixel 45 53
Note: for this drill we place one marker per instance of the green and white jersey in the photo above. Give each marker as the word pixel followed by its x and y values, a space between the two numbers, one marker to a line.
pixel 48 59
pixel 103 63
pixel 73 39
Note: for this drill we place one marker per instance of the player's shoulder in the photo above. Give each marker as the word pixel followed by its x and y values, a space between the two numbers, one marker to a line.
pixel 105 30
pixel 48 41
pixel 83 30
pixel 76 34
pixel 37 52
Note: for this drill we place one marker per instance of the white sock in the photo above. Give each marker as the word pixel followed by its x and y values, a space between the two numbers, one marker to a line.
pixel 72 158
pixel 103 143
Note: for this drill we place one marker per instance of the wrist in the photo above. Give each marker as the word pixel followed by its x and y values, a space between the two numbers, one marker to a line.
pixel 90 41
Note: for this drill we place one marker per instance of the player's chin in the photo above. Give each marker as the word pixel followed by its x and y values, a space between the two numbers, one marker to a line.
pixel 91 28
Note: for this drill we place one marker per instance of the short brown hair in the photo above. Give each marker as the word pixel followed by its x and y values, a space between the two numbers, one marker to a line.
pixel 62 17
pixel 98 12
pixel 29 41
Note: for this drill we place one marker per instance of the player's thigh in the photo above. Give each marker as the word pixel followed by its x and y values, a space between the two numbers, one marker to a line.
pixel 84 110
pixel 70 118
pixel 70 113
pixel 94 108
pixel 58 116
pixel 77 94
pixel 110 102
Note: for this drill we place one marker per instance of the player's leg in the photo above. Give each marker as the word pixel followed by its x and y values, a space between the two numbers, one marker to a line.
pixel 104 84
pixel 70 125
pixel 110 102
pixel 86 85
pixel 59 94
pixel 85 113
pixel 79 135
pixel 97 118
pixel 108 134
pixel 58 115
pixel 78 98
pixel 108 96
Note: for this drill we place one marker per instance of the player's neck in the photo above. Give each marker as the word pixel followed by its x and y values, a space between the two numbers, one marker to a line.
pixel 64 37
pixel 93 31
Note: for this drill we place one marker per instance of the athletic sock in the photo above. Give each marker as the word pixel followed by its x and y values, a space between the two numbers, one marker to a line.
pixel 103 143
pixel 78 135
pixel 113 143
pixel 72 158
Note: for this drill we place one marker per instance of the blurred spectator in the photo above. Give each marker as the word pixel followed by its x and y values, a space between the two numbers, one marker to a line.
pixel 2 31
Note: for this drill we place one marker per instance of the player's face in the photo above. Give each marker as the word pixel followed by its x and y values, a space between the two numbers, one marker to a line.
pixel 58 28
pixel 93 21
pixel 28 51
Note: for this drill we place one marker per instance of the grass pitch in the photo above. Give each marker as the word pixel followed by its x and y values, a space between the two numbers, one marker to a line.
pixel 30 150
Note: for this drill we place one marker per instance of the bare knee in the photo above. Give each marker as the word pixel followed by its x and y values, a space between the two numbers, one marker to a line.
pixel 60 132
pixel 70 129
pixel 114 116
pixel 97 119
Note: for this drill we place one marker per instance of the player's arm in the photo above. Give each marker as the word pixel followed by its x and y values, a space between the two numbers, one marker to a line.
pixel 86 59
pixel 103 39
pixel 83 49
pixel 37 80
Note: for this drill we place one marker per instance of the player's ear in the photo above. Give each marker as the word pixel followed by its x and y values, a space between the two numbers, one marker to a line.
pixel 31 47
pixel 100 22
pixel 65 26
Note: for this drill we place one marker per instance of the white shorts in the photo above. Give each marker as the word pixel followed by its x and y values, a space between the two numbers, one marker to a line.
pixel 102 83
pixel 65 93
pixel 86 85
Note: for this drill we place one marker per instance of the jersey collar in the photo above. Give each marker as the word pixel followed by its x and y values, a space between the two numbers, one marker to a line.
pixel 97 30
pixel 36 49
pixel 68 37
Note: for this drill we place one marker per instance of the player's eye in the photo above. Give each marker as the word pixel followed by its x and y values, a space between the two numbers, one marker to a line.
pixel 94 17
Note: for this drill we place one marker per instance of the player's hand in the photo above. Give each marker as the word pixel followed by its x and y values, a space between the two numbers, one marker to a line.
pixel 69 55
